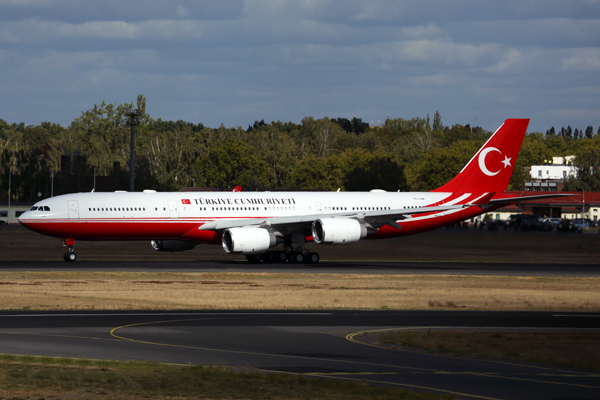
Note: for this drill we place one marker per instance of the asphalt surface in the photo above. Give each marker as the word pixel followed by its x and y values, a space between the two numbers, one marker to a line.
pixel 316 343
pixel 338 267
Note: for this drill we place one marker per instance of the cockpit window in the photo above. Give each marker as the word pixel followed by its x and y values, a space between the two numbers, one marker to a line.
pixel 46 208
pixel 33 208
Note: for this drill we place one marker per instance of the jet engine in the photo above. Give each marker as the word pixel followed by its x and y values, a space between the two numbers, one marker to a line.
pixel 338 231
pixel 172 245
pixel 247 240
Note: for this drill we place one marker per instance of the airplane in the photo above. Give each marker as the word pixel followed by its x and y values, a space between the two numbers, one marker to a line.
pixel 255 223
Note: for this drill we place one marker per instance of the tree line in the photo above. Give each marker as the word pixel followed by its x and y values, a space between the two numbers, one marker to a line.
pixel 417 154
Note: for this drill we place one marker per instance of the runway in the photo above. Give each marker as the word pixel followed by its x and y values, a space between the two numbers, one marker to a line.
pixel 317 343
pixel 330 267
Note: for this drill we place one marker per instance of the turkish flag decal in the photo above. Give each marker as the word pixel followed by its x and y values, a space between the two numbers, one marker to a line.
pixel 185 201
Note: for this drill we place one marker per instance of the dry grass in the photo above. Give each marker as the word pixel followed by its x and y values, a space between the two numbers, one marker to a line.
pixel 149 290
pixel 572 350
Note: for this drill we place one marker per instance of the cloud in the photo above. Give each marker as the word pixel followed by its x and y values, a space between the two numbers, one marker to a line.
pixel 587 60
pixel 79 11
pixel 53 34
pixel 237 61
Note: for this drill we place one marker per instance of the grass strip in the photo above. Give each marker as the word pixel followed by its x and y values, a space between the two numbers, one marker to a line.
pixel 28 377
pixel 106 290
pixel 567 350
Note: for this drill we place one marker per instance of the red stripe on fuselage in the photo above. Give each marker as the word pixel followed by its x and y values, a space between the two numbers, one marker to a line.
pixel 119 229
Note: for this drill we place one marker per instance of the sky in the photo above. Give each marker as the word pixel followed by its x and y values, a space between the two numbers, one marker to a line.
pixel 233 62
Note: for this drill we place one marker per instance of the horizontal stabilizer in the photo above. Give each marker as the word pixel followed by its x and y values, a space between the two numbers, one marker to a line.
pixel 519 199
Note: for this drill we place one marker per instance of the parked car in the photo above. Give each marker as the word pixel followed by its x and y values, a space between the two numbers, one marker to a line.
pixel 566 225
pixel 553 221
pixel 582 224
pixel 529 222
pixel 495 224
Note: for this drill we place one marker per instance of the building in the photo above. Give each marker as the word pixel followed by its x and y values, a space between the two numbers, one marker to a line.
pixel 550 176
pixel 16 209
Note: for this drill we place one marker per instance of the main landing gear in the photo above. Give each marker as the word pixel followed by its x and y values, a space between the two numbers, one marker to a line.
pixel 70 255
pixel 278 256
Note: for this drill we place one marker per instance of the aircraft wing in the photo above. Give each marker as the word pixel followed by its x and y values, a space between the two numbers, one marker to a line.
pixel 373 218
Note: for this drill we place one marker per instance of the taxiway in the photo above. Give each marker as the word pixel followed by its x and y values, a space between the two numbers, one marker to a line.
pixel 317 343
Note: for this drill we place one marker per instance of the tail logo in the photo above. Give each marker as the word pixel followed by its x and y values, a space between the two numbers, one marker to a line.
pixel 484 167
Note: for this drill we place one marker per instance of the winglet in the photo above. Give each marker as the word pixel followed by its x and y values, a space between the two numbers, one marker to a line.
pixel 237 189
pixel 490 169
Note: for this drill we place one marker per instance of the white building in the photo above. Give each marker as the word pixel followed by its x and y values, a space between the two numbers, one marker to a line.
pixel 10 215
pixel 554 172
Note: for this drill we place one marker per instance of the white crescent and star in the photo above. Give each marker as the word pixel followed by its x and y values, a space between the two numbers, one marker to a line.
pixel 482 165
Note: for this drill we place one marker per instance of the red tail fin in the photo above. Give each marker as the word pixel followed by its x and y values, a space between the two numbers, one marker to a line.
pixel 490 169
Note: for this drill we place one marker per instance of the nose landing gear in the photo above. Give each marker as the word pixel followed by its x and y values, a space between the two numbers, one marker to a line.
pixel 70 255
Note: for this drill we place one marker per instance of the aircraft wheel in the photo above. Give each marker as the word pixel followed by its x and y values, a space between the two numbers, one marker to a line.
pixel 267 257
pixel 297 258
pixel 290 256
pixel 279 256
pixel 253 258
pixel 70 256
pixel 313 258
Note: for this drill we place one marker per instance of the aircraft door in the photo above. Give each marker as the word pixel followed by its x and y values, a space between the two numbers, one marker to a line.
pixel 73 209
pixel 318 207
pixel 173 209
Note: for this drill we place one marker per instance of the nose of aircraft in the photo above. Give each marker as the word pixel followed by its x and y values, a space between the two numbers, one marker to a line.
pixel 24 218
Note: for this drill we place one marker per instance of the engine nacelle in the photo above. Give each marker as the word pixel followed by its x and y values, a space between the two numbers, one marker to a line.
pixel 247 240
pixel 172 245
pixel 338 231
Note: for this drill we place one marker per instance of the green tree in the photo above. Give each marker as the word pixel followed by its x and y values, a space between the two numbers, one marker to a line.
pixel 438 166
pixel 278 150
pixel 587 166
pixel 103 132
pixel 323 173
pixel 233 163
pixel 379 172
pixel 170 157
pixel 437 121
